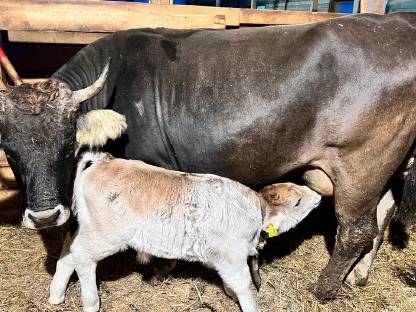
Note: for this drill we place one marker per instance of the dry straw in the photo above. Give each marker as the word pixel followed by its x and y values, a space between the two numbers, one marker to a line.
pixel 27 261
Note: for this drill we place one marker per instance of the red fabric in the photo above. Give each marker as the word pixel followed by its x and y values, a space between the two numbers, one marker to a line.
pixel 2 54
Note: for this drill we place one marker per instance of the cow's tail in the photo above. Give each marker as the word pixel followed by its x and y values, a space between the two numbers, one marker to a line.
pixel 406 212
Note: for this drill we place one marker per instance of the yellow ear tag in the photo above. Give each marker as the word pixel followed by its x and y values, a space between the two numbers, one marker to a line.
pixel 272 231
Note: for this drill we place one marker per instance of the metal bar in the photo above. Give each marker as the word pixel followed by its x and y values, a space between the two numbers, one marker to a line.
pixel 356 6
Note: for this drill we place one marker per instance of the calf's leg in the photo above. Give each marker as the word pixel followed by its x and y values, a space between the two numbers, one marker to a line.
pixel 64 269
pixel 85 265
pixel 87 249
pixel 359 274
pixel 236 276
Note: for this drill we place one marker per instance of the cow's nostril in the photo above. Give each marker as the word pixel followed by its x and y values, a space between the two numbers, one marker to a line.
pixel 43 222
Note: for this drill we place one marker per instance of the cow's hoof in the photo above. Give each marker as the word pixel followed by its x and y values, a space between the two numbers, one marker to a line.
pixel 151 279
pixel 323 293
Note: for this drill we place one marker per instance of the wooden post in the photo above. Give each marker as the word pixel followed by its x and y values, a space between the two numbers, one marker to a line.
pixel 4 60
pixel 2 84
pixel 373 6
pixel 314 6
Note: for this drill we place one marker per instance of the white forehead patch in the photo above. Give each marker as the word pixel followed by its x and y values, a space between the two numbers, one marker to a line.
pixel 96 127
pixel 140 107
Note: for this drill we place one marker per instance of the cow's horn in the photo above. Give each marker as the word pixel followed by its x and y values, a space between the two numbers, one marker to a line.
pixel 88 92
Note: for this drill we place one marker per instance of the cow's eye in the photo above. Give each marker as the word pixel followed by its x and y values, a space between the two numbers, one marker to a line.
pixel 298 202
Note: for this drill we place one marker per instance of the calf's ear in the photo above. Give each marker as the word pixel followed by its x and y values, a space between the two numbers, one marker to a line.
pixel 96 127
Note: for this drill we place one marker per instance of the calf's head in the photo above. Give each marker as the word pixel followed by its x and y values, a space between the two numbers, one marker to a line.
pixel 38 134
pixel 287 205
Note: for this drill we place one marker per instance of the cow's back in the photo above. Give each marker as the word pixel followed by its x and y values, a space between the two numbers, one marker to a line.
pixel 255 104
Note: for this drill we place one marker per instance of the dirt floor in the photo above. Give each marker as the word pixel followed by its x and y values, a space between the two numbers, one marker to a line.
pixel 292 262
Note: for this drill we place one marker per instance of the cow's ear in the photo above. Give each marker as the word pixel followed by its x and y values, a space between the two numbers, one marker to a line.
pixel 96 127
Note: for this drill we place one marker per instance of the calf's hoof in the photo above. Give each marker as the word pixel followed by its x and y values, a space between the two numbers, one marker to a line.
pixel 356 278
pixel 228 291
pixel 56 300
pixel 92 308
pixel 323 292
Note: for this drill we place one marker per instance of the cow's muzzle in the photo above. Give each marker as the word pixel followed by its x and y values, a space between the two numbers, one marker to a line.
pixel 36 220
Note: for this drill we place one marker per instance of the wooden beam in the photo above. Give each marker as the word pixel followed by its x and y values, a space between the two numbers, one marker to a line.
pixel 3 159
pixel 363 6
pixel 33 80
pixel 2 84
pixel 7 179
pixel 269 17
pixel 53 37
pixel 166 2
pixel 107 16
pixel 373 6
pixel 9 68
pixel 10 203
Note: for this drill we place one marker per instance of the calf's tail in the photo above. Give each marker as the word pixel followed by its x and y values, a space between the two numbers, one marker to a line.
pixel 406 212
pixel 85 159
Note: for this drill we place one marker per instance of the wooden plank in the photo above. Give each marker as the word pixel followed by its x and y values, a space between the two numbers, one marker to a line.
pixel 7 179
pixel 10 202
pixel 53 37
pixel 269 17
pixel 107 16
pixel 363 6
pixel 375 6
pixel 33 80
pixel 9 68
pixel 166 2
pixel 2 83
pixel 3 159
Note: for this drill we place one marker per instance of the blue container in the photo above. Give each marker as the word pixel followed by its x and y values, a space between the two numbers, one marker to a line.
pixel 344 6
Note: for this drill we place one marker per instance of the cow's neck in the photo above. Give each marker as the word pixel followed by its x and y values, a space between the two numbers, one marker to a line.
pixel 85 67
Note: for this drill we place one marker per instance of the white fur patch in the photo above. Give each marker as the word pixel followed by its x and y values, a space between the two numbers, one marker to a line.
pixel 140 107
pixel 96 127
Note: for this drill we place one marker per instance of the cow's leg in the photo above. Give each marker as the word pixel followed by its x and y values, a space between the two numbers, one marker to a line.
pixel 158 270
pixel 359 274
pixel 236 277
pixel 357 227
pixel 64 269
